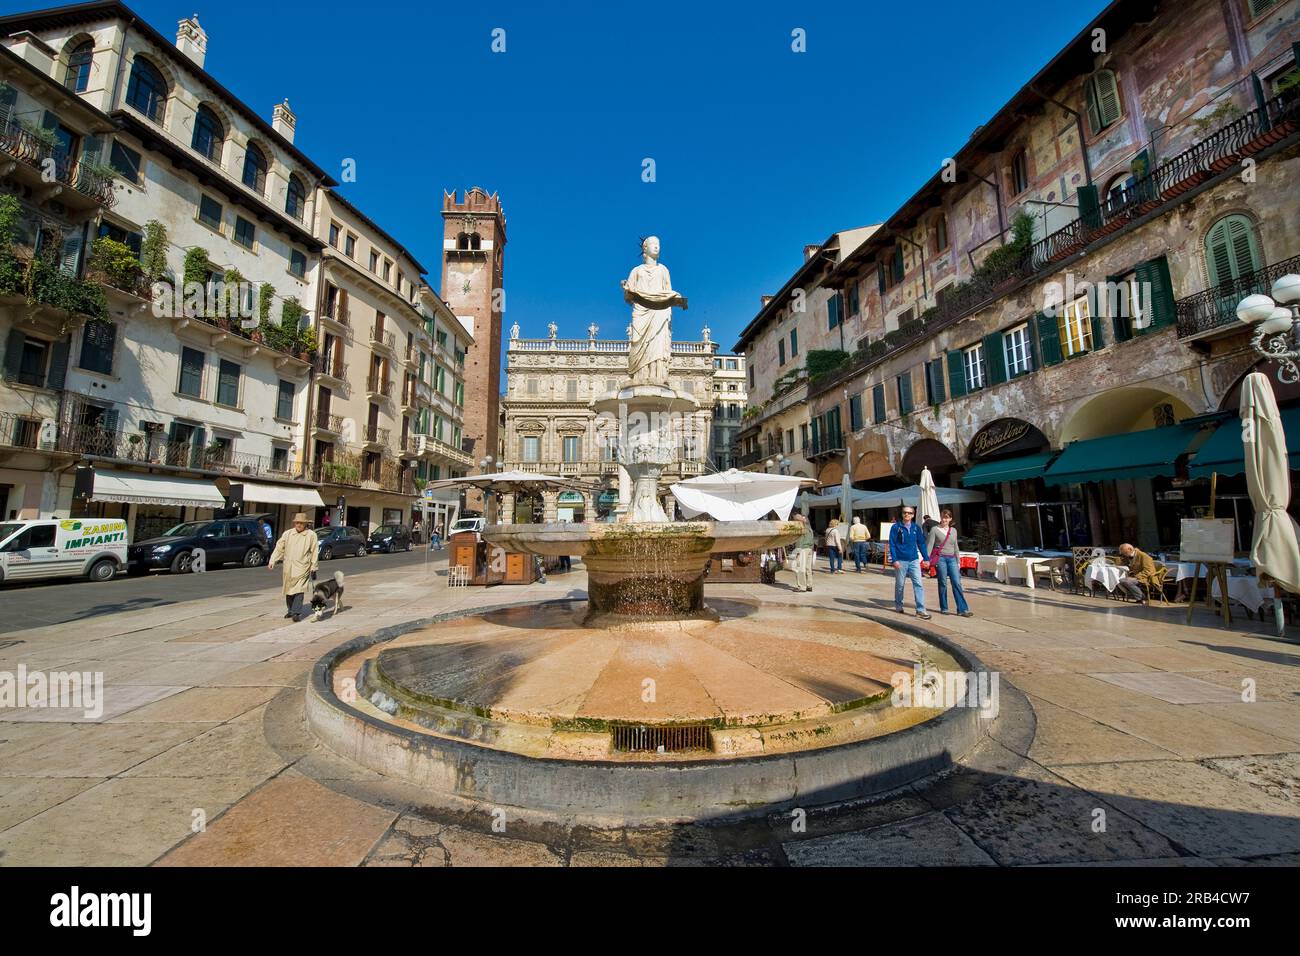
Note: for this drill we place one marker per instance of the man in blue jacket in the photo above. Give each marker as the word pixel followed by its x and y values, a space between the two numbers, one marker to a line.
pixel 907 549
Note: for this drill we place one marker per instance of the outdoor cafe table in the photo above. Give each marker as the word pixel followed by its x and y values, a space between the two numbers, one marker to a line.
pixel 1105 574
pixel 1245 590
pixel 1004 567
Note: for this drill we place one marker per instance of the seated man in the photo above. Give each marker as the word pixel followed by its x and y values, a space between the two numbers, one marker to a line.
pixel 1141 572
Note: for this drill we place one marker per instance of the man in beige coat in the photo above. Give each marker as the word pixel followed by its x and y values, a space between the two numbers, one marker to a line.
pixel 297 548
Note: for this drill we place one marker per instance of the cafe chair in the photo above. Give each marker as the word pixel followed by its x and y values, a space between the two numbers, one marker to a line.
pixel 1156 587
pixel 1082 557
pixel 1057 572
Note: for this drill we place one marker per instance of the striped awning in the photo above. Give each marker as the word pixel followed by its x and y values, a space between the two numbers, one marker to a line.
pixel 138 488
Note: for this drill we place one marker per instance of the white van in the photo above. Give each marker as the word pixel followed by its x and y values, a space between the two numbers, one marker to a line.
pixel 94 548
pixel 465 524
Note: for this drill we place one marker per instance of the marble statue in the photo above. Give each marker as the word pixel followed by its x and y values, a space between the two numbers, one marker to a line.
pixel 592 330
pixel 648 289
pixel 514 331
pixel 552 328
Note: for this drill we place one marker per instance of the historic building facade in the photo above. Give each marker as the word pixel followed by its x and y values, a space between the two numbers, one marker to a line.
pixel 163 181
pixel 1051 319
pixel 729 398
pixel 549 426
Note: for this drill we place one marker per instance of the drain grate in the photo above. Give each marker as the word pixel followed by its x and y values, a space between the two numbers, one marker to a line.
pixel 637 737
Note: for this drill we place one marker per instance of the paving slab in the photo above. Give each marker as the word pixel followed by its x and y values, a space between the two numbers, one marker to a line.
pixel 97 750
pixel 201 704
pixel 931 840
pixel 1172 688
pixel 1063 736
pixel 23 797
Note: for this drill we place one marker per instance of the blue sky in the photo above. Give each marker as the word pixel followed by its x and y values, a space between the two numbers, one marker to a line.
pixel 758 150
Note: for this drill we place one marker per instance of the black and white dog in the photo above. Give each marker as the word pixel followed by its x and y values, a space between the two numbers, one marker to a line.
pixel 323 592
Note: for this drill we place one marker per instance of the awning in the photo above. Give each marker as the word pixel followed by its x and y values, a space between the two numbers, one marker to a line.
pixel 1007 469
pixel 281 494
pixel 1224 453
pixel 142 489
pixel 1144 454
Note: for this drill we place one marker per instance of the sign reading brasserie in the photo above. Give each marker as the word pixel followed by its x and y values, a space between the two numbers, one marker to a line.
pixel 1000 435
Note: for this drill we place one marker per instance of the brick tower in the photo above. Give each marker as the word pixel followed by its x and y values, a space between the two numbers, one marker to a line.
pixel 473 252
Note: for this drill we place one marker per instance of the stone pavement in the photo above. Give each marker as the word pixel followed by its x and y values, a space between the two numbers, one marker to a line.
pixel 1155 743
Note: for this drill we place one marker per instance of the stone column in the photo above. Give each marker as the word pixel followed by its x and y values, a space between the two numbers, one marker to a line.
pixel 508 508
pixel 550 505
pixel 588 507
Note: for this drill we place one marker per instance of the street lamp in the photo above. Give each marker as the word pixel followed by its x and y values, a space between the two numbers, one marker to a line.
pixel 1272 318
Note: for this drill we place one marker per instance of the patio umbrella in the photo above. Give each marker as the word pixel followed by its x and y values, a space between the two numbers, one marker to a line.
pixel 928 499
pixel 738 495
pixel 1274 549
pixel 528 482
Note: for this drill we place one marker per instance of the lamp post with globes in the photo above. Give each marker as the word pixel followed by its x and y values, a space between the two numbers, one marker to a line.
pixel 781 464
pixel 1273 317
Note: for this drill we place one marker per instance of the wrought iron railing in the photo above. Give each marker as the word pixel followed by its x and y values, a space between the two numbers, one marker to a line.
pixel 19 431
pixel 379 386
pixel 383 339
pixel 1217 307
pixel 334 369
pixel 327 421
pixel 31 149
pixel 375 435
pixel 153 448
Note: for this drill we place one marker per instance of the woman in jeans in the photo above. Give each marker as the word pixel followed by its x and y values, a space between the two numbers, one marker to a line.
pixel 942 542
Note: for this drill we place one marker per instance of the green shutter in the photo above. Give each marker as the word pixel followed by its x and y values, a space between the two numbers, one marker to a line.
pixel 956 374
pixel 878 402
pixel 13 360
pixel 1231 250
pixel 995 359
pixel 1049 339
pixel 898 263
pixel 1154 279
pixel 905 393
pixel 1089 207
pixel 934 372
pixel 1120 325
pixel 880 276
pixel 58 364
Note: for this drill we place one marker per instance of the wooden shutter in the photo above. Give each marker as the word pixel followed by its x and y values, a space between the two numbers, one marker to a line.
pixel 70 254
pixel 934 372
pixel 995 359
pixel 1049 339
pixel 880 276
pixel 878 402
pixel 1154 275
pixel 109 421
pixel 956 374
pixel 905 393
pixel 1089 207
pixel 13 361
pixel 898 263
pixel 1103 100
pixel 58 364
pixel 1120 325
pixel 1231 250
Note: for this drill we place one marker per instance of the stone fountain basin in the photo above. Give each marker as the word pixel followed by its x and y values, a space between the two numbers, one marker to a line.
pixel 644 570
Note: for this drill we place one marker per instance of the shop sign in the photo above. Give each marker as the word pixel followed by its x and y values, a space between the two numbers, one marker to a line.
pixel 1003 436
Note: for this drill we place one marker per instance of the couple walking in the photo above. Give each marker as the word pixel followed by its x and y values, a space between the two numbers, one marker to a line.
pixel 913 551
pixel 835 545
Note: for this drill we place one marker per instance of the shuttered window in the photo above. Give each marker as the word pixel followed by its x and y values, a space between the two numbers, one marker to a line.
pixel 905 393
pixel 191 372
pixel 855 413
pixel 1075 327
pixel 1102 93
pixel 1231 249
pixel 228 383
pixel 97 341
pixel 934 390
pixel 1157 295
pixel 878 403
pixel 284 401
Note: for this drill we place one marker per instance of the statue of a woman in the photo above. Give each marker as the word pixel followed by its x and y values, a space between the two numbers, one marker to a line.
pixel 650 292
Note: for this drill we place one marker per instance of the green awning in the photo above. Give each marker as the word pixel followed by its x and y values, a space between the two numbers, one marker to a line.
pixel 1224 454
pixel 1008 469
pixel 1144 454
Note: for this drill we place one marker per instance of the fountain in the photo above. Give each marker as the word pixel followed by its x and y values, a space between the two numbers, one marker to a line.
pixel 644 567
pixel 642 704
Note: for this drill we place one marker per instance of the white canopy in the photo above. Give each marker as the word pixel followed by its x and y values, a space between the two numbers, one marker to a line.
pixel 139 488
pixel 737 495
pixel 895 498
pixel 281 494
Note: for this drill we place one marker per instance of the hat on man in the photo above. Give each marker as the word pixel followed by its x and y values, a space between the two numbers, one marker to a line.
pixel 300 516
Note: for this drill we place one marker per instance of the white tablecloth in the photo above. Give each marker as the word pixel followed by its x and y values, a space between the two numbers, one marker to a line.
pixel 1006 567
pixel 1107 575
pixel 1186 569
pixel 1245 590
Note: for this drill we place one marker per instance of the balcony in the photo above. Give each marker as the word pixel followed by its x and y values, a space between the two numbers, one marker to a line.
pixel 328 422
pixel 1213 313
pixel 88 188
pixel 824 446
pixel 431 449
pixel 332 369
pixel 375 435
pixel 153 448
pixel 379 339
pixel 335 312
pixel 19 431
pixel 379 388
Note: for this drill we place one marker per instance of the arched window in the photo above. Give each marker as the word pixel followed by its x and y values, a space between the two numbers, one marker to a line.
pixel 1102 93
pixel 1231 250
pixel 208 134
pixel 255 169
pixel 78 76
pixel 1117 193
pixel 146 91
pixel 295 200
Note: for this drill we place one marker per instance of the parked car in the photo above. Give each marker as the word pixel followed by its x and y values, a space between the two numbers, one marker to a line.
pixel 390 538
pixel 236 540
pixel 340 542
pixel 62 548
pixel 466 524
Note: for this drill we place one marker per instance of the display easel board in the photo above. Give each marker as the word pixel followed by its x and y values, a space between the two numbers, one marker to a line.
pixel 885 528
pixel 1207 540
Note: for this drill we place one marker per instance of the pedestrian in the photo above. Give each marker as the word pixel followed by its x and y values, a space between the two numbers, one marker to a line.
pixel 1141 572
pixel 927 523
pixel 946 559
pixel 297 549
pixel 803 554
pixel 268 533
pixel 435 537
pixel 858 539
pixel 907 549
pixel 835 546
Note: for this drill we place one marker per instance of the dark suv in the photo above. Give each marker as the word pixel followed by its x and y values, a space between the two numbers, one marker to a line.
pixel 390 538
pixel 223 542
pixel 340 542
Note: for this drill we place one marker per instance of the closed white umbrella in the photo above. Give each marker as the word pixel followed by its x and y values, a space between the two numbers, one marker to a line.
pixel 928 499
pixel 738 495
pixel 1274 550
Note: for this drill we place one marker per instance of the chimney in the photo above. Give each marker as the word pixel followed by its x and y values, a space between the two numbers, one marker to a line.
pixel 192 39
pixel 766 300
pixel 809 252
pixel 283 120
